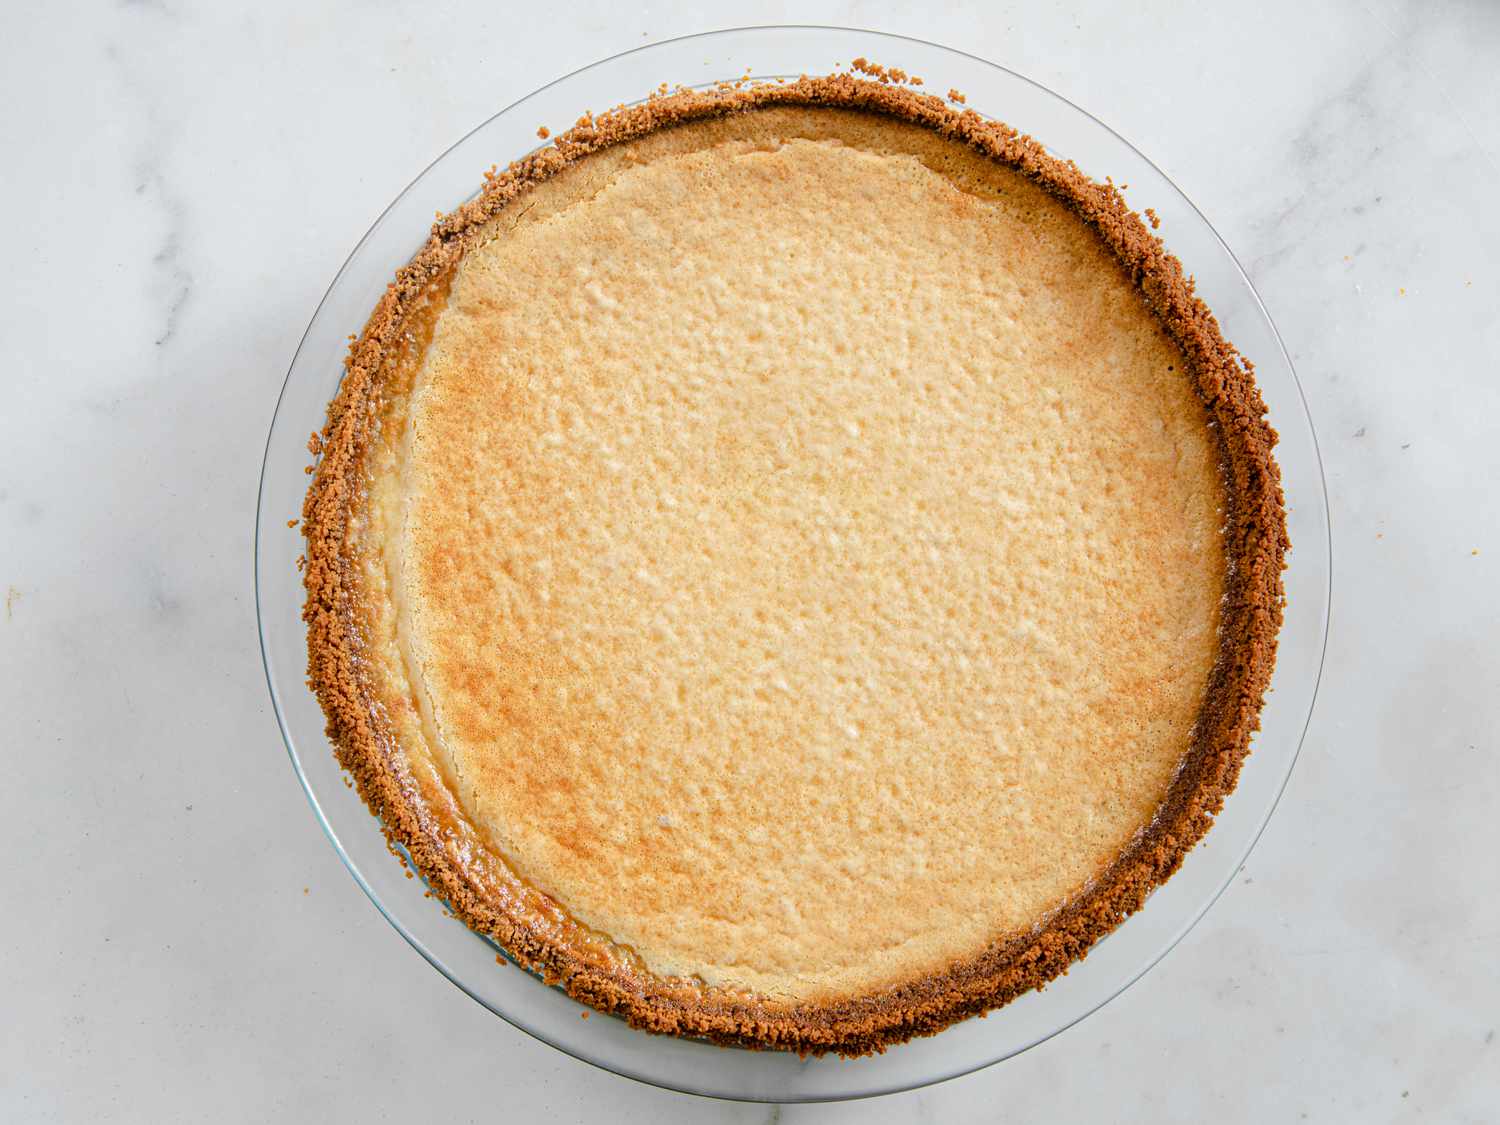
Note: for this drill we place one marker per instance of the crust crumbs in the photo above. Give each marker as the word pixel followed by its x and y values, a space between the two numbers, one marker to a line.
pixel 1255 542
pixel 886 74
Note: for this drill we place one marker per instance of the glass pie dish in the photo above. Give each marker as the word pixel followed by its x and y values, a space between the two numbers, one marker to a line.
pixel 468 959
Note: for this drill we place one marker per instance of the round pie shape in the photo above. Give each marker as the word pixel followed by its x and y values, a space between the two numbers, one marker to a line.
pixel 795 565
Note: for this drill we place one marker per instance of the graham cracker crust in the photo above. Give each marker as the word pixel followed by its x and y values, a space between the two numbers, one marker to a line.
pixel 1255 544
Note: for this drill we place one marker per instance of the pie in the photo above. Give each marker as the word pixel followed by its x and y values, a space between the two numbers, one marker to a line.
pixel 794 564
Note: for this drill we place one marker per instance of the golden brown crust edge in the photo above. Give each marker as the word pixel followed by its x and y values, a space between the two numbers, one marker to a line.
pixel 1255 538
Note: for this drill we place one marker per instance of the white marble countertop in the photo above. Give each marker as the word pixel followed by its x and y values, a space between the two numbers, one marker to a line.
pixel 183 181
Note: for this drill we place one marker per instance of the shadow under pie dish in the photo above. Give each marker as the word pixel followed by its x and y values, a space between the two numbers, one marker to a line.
pixel 794 565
